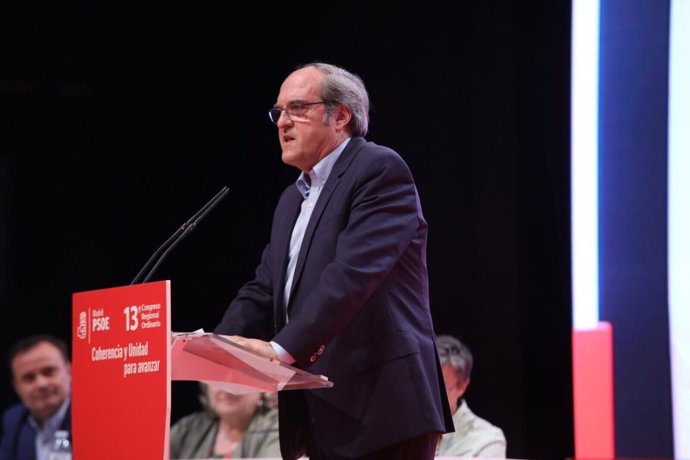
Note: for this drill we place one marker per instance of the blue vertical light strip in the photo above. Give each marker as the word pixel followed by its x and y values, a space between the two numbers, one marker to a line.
pixel 633 220
pixel 584 159
pixel 679 222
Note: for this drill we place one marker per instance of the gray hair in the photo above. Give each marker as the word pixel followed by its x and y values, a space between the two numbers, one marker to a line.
pixel 453 352
pixel 343 87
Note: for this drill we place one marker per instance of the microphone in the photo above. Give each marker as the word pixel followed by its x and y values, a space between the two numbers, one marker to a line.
pixel 162 252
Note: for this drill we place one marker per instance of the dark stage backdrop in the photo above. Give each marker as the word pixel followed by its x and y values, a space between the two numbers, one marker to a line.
pixel 118 123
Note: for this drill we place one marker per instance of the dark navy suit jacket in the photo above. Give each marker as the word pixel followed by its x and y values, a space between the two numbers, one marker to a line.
pixel 358 311
pixel 18 441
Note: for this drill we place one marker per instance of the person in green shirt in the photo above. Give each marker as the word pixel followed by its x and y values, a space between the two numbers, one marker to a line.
pixel 230 426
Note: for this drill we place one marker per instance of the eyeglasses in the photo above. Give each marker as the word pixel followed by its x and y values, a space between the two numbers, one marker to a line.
pixel 294 110
pixel 449 350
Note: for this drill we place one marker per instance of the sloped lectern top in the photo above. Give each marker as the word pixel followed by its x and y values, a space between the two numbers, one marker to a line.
pixel 214 359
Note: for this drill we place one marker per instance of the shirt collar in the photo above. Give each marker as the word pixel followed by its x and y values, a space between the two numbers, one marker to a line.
pixel 54 422
pixel 321 170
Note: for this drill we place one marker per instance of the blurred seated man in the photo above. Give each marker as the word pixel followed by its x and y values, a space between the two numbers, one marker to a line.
pixel 230 426
pixel 42 378
pixel 473 436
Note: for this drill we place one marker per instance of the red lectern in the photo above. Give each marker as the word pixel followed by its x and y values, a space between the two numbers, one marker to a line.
pixel 124 357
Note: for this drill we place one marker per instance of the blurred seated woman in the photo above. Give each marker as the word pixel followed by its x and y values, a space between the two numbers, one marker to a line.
pixel 230 426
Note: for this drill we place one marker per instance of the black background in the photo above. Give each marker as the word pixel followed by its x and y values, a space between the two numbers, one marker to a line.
pixel 119 121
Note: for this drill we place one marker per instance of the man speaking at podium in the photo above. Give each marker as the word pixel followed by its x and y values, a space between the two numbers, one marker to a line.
pixel 342 286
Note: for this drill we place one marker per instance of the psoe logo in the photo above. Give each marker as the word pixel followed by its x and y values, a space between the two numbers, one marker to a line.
pixel 81 329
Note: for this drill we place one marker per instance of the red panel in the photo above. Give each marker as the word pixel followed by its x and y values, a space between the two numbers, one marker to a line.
pixel 121 373
pixel 593 392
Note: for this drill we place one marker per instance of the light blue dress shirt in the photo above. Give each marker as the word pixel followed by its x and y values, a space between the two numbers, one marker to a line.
pixel 317 177
pixel 45 435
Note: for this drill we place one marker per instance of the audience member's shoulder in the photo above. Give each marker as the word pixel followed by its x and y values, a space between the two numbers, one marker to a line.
pixel 482 428
pixel 269 417
pixel 193 420
pixel 481 423
pixel 15 411
pixel 489 428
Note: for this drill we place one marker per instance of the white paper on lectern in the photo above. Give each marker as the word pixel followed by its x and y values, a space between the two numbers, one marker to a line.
pixel 197 333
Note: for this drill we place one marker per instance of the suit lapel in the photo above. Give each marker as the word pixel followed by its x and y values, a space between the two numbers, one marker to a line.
pixel 329 188
pixel 285 221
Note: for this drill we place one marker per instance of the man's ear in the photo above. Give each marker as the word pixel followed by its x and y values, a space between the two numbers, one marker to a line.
pixel 342 116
